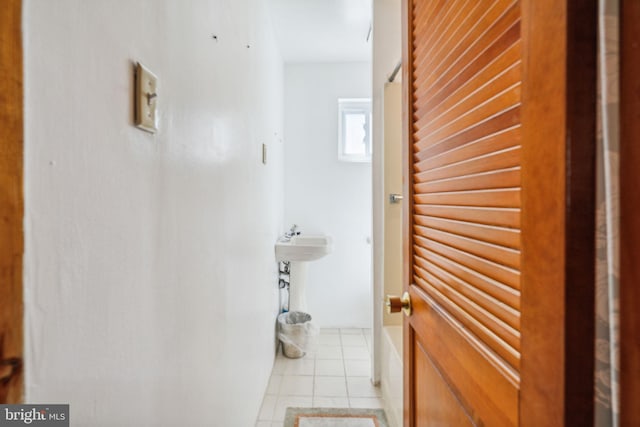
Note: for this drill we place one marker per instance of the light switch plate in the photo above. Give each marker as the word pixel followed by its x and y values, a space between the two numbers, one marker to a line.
pixel 146 99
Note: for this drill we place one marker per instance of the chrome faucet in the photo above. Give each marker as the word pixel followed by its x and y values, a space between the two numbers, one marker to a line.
pixel 293 231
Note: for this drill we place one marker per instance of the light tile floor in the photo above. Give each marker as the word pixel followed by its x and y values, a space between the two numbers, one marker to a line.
pixel 336 375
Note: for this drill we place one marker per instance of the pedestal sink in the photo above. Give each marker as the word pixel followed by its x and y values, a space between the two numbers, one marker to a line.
pixel 298 251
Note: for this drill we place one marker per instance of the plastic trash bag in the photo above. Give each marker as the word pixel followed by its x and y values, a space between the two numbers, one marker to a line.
pixel 297 333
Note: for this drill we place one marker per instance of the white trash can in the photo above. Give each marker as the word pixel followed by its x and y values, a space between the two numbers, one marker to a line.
pixel 297 333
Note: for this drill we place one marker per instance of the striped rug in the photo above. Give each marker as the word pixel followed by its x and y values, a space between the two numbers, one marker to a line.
pixel 334 417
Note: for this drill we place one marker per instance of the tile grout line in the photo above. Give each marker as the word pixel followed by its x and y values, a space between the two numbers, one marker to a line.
pixel 344 369
pixel 313 382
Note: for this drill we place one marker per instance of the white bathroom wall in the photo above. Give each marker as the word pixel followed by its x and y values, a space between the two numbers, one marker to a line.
pixel 325 195
pixel 150 280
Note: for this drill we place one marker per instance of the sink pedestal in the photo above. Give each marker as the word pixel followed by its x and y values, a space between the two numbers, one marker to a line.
pixel 298 286
pixel 298 250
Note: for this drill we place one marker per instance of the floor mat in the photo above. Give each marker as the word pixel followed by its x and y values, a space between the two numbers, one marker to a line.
pixel 334 417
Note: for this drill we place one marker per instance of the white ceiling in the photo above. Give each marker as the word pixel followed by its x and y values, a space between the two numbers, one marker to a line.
pixel 322 30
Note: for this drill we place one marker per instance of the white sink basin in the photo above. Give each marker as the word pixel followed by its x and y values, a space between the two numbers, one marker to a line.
pixel 303 248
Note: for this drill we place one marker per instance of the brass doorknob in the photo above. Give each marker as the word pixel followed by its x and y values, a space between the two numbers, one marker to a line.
pixel 394 304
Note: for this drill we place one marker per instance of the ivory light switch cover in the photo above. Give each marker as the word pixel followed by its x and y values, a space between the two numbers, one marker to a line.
pixel 146 99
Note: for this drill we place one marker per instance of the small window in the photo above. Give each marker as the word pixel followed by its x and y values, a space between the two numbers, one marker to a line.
pixel 354 126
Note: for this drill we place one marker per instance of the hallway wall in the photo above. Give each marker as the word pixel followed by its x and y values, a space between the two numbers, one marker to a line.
pixel 150 279
pixel 325 195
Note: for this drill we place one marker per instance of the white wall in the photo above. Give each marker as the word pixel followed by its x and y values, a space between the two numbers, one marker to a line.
pixel 150 280
pixel 324 195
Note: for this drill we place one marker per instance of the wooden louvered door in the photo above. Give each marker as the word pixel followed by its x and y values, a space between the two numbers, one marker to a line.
pixel 488 187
